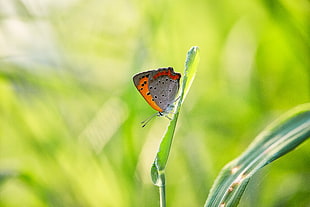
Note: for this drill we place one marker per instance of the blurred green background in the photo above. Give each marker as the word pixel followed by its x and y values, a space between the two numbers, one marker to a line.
pixel 70 115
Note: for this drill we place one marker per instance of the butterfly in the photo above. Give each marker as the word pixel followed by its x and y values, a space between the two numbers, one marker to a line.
pixel 159 88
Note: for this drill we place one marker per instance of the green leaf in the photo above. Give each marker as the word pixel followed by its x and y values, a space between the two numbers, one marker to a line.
pixel 191 63
pixel 282 136
pixel 159 164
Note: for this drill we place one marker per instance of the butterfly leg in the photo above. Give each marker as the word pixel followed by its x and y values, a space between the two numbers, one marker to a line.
pixel 176 99
pixel 168 117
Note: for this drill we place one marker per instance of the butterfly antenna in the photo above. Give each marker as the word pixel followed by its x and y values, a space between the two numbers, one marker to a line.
pixel 146 121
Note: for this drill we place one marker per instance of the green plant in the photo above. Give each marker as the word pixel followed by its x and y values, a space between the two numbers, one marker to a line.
pixel 159 164
pixel 276 140
pixel 282 136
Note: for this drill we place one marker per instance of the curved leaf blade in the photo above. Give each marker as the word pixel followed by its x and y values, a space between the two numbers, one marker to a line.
pixel 284 135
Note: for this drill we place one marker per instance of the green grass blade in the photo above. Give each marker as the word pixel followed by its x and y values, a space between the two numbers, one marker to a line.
pixel 161 159
pixel 279 138
pixel 191 63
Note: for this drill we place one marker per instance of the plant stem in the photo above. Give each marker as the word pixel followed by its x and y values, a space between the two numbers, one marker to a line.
pixel 162 189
